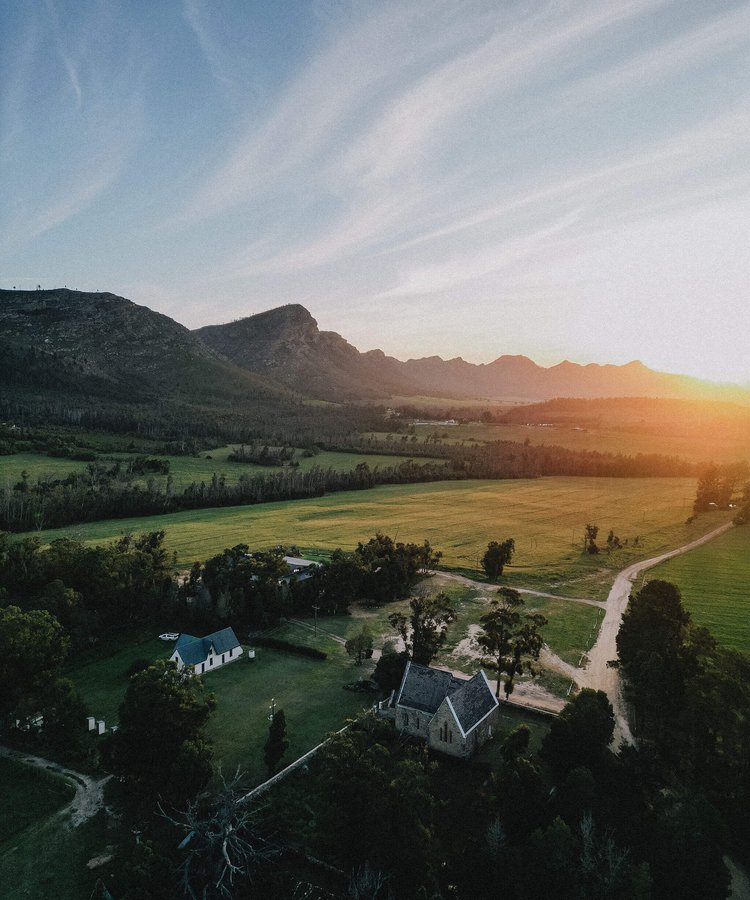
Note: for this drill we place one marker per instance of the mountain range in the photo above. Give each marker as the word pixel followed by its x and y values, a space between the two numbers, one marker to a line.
pixel 98 347
pixel 286 345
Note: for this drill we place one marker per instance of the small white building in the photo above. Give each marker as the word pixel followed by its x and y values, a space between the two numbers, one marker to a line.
pixel 207 653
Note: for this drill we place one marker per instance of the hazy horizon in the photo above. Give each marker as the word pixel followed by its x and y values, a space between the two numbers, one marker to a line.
pixel 559 181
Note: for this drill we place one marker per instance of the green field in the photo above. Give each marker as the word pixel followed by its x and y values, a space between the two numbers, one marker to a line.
pixel 715 583
pixel 310 692
pixel 29 795
pixel 696 448
pixel 545 516
pixel 188 469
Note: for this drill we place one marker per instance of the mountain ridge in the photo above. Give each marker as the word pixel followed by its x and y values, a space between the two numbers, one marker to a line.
pixel 286 340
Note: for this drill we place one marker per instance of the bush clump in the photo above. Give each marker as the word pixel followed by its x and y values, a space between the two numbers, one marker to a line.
pixel 299 649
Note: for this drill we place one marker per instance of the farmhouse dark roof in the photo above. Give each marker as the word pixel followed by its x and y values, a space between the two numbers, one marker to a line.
pixel 194 650
pixel 425 688
pixel 472 701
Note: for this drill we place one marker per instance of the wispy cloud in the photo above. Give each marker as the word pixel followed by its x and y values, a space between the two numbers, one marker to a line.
pixel 90 139
pixel 198 16
pixel 411 152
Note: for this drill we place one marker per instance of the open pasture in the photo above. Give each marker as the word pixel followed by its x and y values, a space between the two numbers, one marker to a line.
pixel 185 470
pixel 715 584
pixel 545 516
pixel 704 447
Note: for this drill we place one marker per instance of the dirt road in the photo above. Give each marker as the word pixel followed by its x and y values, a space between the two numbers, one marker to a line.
pixel 596 674
pixel 89 796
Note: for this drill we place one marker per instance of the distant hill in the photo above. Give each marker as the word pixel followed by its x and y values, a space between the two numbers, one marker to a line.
pixel 286 345
pixel 639 414
pixel 63 349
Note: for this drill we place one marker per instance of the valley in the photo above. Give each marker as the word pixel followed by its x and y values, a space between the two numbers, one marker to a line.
pixel 446 453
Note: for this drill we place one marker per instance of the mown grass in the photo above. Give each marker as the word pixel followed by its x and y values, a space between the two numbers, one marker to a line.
pixel 188 469
pixel 310 691
pixel 29 795
pixel 545 516
pixel 714 580
pixel 102 682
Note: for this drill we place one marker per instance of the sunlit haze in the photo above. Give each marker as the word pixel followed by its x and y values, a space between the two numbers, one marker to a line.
pixel 557 179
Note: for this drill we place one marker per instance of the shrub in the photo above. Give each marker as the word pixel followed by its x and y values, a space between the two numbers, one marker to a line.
pixel 138 665
pixel 299 649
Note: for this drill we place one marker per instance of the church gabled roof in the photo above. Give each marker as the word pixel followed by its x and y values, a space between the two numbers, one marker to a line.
pixel 424 688
pixel 473 701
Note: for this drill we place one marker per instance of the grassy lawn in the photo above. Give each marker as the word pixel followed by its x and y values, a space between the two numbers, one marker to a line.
pixel 102 682
pixel 50 861
pixel 187 469
pixel 310 692
pixel 715 583
pixel 509 719
pixel 29 795
pixel 545 516
pixel 570 631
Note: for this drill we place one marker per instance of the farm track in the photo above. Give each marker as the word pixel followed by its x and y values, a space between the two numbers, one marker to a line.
pixel 89 792
pixel 485 586
pixel 597 674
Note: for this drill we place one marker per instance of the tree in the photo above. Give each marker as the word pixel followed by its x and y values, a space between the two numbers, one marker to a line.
pixel 276 745
pixel 160 749
pixel 389 669
pixel 582 732
pixel 33 648
pixel 511 639
pixel 496 557
pixel 359 647
pixel 589 539
pixel 224 842
pixel 525 645
pixel 654 655
pixel 425 630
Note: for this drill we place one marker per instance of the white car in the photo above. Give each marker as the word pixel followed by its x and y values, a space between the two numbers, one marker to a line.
pixel 169 636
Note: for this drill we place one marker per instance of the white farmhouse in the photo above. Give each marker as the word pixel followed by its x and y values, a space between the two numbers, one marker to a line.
pixel 207 653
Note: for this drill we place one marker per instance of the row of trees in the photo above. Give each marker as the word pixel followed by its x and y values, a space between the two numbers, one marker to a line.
pixel 718 486
pixel 102 493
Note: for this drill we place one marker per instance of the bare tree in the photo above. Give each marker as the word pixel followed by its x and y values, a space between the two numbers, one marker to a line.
pixel 223 841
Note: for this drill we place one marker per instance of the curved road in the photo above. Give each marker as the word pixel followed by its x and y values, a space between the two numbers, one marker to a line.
pixel 596 674
pixel 89 796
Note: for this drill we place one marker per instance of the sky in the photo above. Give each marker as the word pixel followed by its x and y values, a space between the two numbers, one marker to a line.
pixel 564 180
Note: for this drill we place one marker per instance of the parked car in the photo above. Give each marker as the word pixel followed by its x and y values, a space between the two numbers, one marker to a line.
pixel 169 636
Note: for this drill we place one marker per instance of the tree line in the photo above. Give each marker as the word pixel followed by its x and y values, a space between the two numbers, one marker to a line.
pixel 100 494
